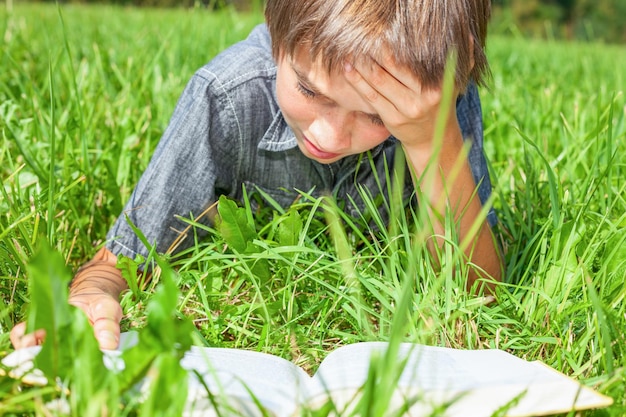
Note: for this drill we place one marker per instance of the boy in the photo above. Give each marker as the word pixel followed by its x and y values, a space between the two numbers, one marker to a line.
pixel 338 78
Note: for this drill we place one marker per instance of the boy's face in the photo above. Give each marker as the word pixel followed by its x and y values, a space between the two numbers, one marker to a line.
pixel 328 117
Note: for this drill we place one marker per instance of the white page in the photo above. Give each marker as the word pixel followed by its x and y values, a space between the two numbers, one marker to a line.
pixel 348 367
pixel 494 377
pixel 431 367
pixel 545 392
pixel 485 380
pixel 275 382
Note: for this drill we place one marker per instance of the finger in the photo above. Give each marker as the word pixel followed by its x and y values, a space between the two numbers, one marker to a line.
pixel 17 333
pixel 388 78
pixel 107 332
pixel 374 89
pixel 402 74
pixel 413 97
pixel 106 315
pixel 394 92
pixel 32 339
pixel 20 339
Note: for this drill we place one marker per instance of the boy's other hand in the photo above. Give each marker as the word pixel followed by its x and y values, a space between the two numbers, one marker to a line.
pixel 96 290
pixel 103 311
pixel 410 111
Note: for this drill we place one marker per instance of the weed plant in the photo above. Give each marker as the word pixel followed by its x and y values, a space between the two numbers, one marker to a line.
pixel 85 93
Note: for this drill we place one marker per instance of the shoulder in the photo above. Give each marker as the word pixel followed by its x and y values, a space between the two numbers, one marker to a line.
pixel 247 62
pixel 233 95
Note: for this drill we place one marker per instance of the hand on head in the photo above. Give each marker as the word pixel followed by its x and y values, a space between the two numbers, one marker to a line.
pixel 408 109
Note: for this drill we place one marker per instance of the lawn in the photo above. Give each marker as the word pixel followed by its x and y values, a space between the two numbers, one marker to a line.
pixel 85 93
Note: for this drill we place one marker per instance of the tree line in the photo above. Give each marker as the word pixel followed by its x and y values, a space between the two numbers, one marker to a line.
pixel 564 19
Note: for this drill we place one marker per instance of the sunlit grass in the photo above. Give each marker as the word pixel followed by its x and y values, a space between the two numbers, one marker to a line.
pixel 86 93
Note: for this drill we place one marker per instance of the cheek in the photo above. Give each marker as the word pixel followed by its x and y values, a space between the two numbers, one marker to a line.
pixel 292 104
pixel 291 108
pixel 369 136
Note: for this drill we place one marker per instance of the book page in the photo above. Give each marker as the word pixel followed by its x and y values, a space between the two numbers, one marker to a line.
pixel 348 367
pixel 241 376
pixel 477 382
pixel 235 377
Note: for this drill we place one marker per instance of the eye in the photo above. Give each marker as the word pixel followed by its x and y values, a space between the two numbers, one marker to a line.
pixel 305 91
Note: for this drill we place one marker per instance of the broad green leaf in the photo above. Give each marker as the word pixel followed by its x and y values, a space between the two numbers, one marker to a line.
pixel 49 310
pixel 128 268
pixel 239 234
pixel 259 267
pixel 234 226
pixel 89 374
pixel 162 313
pixel 289 229
pixel 70 350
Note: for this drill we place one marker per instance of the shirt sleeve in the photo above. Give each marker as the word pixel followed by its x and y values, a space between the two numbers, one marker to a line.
pixel 203 151
pixel 182 176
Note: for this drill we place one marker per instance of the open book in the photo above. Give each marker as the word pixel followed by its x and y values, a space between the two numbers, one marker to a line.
pixel 471 382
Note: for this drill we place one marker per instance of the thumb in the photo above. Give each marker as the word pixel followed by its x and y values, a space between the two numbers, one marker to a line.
pixel 107 332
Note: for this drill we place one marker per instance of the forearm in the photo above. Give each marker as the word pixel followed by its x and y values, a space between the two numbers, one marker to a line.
pixel 446 183
pixel 99 274
pixel 409 111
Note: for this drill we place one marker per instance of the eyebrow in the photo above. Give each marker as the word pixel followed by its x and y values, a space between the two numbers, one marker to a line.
pixel 304 79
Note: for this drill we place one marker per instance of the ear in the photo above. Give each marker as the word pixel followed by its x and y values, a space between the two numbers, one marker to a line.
pixel 471 51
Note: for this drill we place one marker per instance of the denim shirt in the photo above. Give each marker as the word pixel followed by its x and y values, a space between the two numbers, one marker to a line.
pixel 227 132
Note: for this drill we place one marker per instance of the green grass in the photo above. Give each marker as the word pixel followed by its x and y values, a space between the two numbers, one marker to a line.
pixel 86 94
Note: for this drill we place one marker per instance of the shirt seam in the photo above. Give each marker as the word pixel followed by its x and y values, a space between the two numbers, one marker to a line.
pixel 231 106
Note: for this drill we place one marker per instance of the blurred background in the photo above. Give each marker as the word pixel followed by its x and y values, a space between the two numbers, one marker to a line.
pixel 602 20
pixel 583 20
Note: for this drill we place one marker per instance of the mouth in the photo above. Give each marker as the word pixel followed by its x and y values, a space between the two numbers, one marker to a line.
pixel 317 153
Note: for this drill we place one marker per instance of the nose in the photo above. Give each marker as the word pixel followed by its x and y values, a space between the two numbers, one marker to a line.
pixel 332 131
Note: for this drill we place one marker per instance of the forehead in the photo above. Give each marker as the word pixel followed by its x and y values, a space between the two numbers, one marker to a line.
pixel 304 63
pixel 332 61
pixel 330 85
pixel 315 67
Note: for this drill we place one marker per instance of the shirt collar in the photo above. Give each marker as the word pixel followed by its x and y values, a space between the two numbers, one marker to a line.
pixel 279 136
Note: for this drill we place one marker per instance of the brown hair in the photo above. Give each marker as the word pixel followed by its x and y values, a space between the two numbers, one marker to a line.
pixel 420 34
